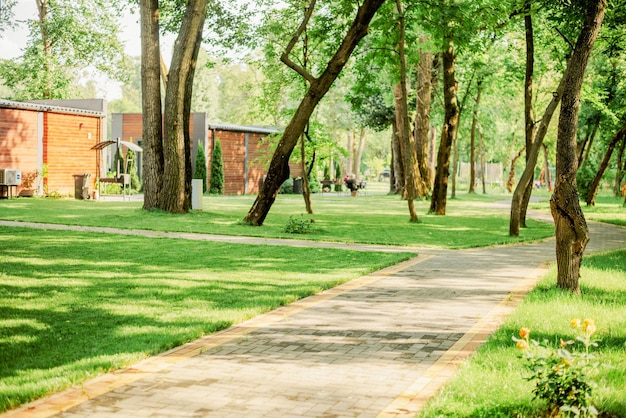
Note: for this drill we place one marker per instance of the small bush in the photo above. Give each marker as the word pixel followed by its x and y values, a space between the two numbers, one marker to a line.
pixel 297 225
pixel 562 376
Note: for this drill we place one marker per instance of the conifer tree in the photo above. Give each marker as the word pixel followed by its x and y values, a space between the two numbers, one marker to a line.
pixel 200 170
pixel 217 170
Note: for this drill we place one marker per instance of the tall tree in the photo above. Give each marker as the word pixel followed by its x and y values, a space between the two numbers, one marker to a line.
pixel 414 186
pixel 152 125
pixel 318 86
pixel 67 38
pixel 169 160
pixel 440 188
pixel 572 233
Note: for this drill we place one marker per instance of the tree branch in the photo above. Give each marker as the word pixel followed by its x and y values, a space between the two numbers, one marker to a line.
pixel 562 35
pixel 285 55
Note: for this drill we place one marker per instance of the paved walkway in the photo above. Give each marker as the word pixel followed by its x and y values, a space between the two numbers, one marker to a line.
pixel 378 346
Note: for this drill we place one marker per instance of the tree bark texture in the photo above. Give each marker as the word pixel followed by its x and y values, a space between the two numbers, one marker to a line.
pixel 397 165
pixel 511 180
pixel 152 120
pixel 572 233
pixel 359 148
pixel 593 187
pixel 440 188
pixel 174 196
pixel 422 114
pixel 621 169
pixel 479 85
pixel 306 189
pixel 279 165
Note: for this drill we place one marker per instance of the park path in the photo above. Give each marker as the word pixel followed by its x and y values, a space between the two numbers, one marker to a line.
pixel 378 346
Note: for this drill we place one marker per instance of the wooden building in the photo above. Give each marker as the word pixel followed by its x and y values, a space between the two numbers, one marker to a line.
pixel 54 138
pixel 245 149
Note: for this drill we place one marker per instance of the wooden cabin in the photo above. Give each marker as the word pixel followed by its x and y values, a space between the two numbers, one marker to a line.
pixel 245 149
pixel 53 138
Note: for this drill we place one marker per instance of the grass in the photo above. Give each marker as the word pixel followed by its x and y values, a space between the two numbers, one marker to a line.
pixel 373 219
pixel 608 209
pixel 74 305
pixel 547 311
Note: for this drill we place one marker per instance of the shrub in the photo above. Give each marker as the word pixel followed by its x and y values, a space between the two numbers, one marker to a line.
pixel 297 225
pixel 561 375
pixel 217 170
pixel 199 171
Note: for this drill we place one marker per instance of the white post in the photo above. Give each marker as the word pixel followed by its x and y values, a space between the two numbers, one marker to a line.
pixel 196 194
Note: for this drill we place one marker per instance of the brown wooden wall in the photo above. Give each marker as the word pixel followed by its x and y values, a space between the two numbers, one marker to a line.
pixel 67 149
pixel 18 139
pixel 66 145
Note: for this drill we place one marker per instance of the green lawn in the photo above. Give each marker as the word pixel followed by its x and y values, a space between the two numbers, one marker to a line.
pixel 376 219
pixel 492 384
pixel 73 305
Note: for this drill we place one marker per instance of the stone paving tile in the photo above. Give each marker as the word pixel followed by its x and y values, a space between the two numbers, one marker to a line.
pixel 379 346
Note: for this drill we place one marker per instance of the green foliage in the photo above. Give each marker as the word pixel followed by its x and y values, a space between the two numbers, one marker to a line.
pixel 79 34
pixel 131 168
pixel 217 170
pixel 200 168
pixel 584 177
pixel 286 187
pixel 297 225
pixel 561 375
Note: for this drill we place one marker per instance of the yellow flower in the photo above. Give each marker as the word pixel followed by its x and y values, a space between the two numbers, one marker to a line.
pixel 575 323
pixel 524 332
pixel 521 345
pixel 589 326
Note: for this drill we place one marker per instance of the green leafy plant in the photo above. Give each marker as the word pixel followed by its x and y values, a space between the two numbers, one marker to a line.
pixel 297 225
pixel 562 376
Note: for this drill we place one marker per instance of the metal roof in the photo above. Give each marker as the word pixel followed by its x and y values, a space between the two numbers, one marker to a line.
pixel 242 128
pixel 38 107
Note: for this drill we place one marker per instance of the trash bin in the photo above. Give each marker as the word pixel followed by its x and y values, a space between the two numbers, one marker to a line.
pixel 81 186
pixel 297 185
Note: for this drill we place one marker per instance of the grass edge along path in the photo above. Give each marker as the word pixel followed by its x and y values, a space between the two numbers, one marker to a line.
pixel 547 312
pixel 470 221
pixel 76 305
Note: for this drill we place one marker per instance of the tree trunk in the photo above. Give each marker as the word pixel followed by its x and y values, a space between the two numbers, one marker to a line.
pixel 279 166
pixel 483 151
pixel 306 189
pixel 479 85
pixel 593 187
pixel 621 169
pixel 511 180
pixel 521 195
pixel 358 155
pixel 572 233
pixel 585 145
pixel 440 188
pixel 174 197
pixel 432 154
pixel 152 131
pixel 350 149
pixel 397 166
pixel 422 114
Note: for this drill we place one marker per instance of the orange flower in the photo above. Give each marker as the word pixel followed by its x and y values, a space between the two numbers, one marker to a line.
pixel 575 323
pixel 521 345
pixel 524 332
